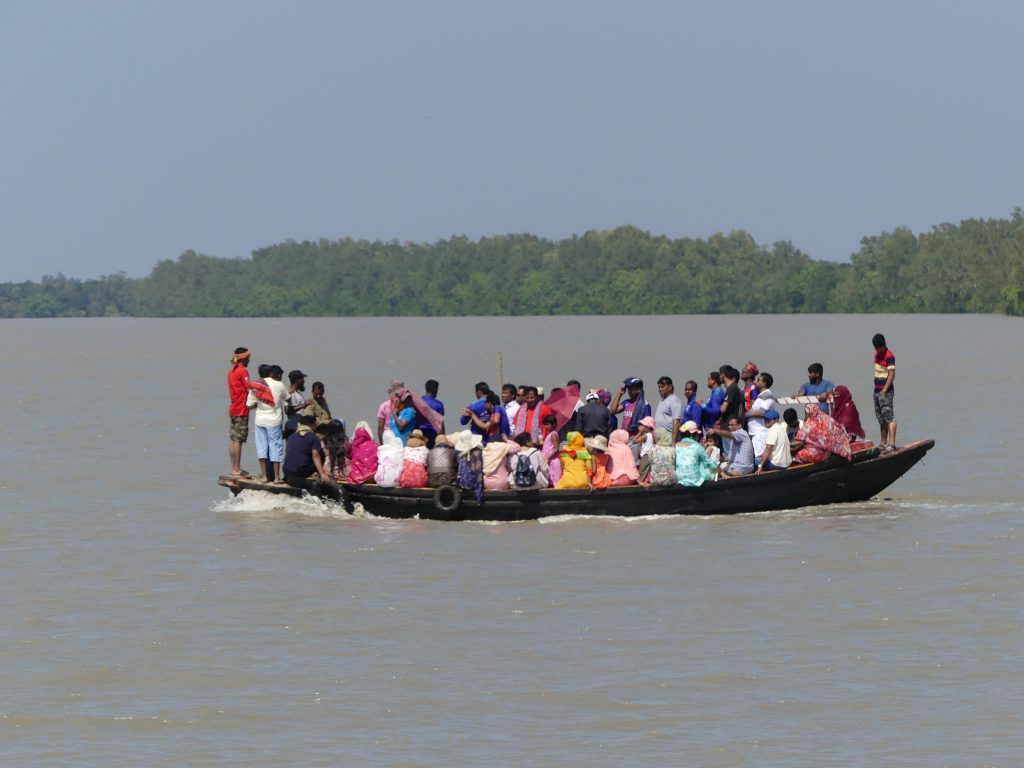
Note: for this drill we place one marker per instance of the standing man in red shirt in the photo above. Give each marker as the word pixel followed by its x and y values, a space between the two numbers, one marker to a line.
pixel 238 411
pixel 750 392
pixel 530 417
pixel 885 375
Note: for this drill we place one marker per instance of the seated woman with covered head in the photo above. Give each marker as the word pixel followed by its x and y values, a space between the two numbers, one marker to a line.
pixel 496 455
pixel 389 460
pixel 441 466
pixel 577 463
pixel 622 468
pixel 362 455
pixel 693 465
pixel 663 458
pixel 469 462
pixel 819 438
pixel 844 410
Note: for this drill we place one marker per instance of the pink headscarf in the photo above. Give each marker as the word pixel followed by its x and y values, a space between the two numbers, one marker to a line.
pixel 364 455
pixel 433 418
pixel 620 457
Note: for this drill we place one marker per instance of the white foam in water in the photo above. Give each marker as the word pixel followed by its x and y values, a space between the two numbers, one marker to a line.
pixel 567 518
pixel 261 502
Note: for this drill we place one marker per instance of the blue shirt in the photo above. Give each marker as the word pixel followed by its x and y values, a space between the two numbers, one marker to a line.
pixel 408 415
pixel 814 390
pixel 479 407
pixel 298 461
pixel 626 405
pixel 712 409
pixel 503 427
pixel 693 412
pixel 423 425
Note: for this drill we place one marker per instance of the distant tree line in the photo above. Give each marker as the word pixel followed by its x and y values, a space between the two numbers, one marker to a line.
pixel 976 266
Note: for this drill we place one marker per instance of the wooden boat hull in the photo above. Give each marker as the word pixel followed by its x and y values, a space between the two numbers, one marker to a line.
pixel 833 482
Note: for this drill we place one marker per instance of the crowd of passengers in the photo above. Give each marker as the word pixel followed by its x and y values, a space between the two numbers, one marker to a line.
pixel 518 439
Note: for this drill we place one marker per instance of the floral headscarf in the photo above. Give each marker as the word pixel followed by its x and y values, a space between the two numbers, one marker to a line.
pixel 824 433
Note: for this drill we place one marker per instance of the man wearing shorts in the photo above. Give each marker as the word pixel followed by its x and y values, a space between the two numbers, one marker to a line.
pixel 268 425
pixel 885 375
pixel 238 411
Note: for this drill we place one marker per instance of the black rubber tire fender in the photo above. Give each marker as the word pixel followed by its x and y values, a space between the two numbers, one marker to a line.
pixel 447 499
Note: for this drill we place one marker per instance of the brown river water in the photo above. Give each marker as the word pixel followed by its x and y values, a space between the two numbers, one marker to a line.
pixel 149 619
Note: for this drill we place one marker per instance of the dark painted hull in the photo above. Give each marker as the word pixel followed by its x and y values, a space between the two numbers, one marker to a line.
pixel 832 482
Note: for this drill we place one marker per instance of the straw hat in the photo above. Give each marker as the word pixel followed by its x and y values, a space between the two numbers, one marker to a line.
pixel 415 439
pixel 597 443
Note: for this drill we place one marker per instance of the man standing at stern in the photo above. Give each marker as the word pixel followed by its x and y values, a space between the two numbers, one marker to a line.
pixel 885 392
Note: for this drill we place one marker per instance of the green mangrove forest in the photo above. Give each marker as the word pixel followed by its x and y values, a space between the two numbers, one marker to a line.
pixel 974 266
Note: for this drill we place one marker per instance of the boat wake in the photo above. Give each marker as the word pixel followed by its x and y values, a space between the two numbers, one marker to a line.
pixel 617 519
pixel 252 502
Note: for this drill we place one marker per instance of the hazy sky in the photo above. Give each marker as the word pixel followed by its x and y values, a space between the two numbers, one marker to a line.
pixel 134 130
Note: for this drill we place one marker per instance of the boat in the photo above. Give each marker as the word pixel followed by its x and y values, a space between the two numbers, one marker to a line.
pixel 836 481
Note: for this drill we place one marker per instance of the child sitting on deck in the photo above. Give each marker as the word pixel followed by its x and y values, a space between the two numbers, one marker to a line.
pixel 550 450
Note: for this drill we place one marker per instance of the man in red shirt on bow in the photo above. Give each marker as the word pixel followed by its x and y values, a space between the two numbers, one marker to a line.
pixel 238 411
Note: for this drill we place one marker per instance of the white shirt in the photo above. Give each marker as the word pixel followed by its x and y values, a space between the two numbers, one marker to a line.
pixel 779 440
pixel 269 416
pixel 511 410
pixel 755 424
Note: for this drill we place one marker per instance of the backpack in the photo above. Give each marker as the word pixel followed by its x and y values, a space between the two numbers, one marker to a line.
pixel 525 476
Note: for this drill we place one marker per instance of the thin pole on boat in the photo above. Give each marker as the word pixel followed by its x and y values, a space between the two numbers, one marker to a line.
pixel 501 368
